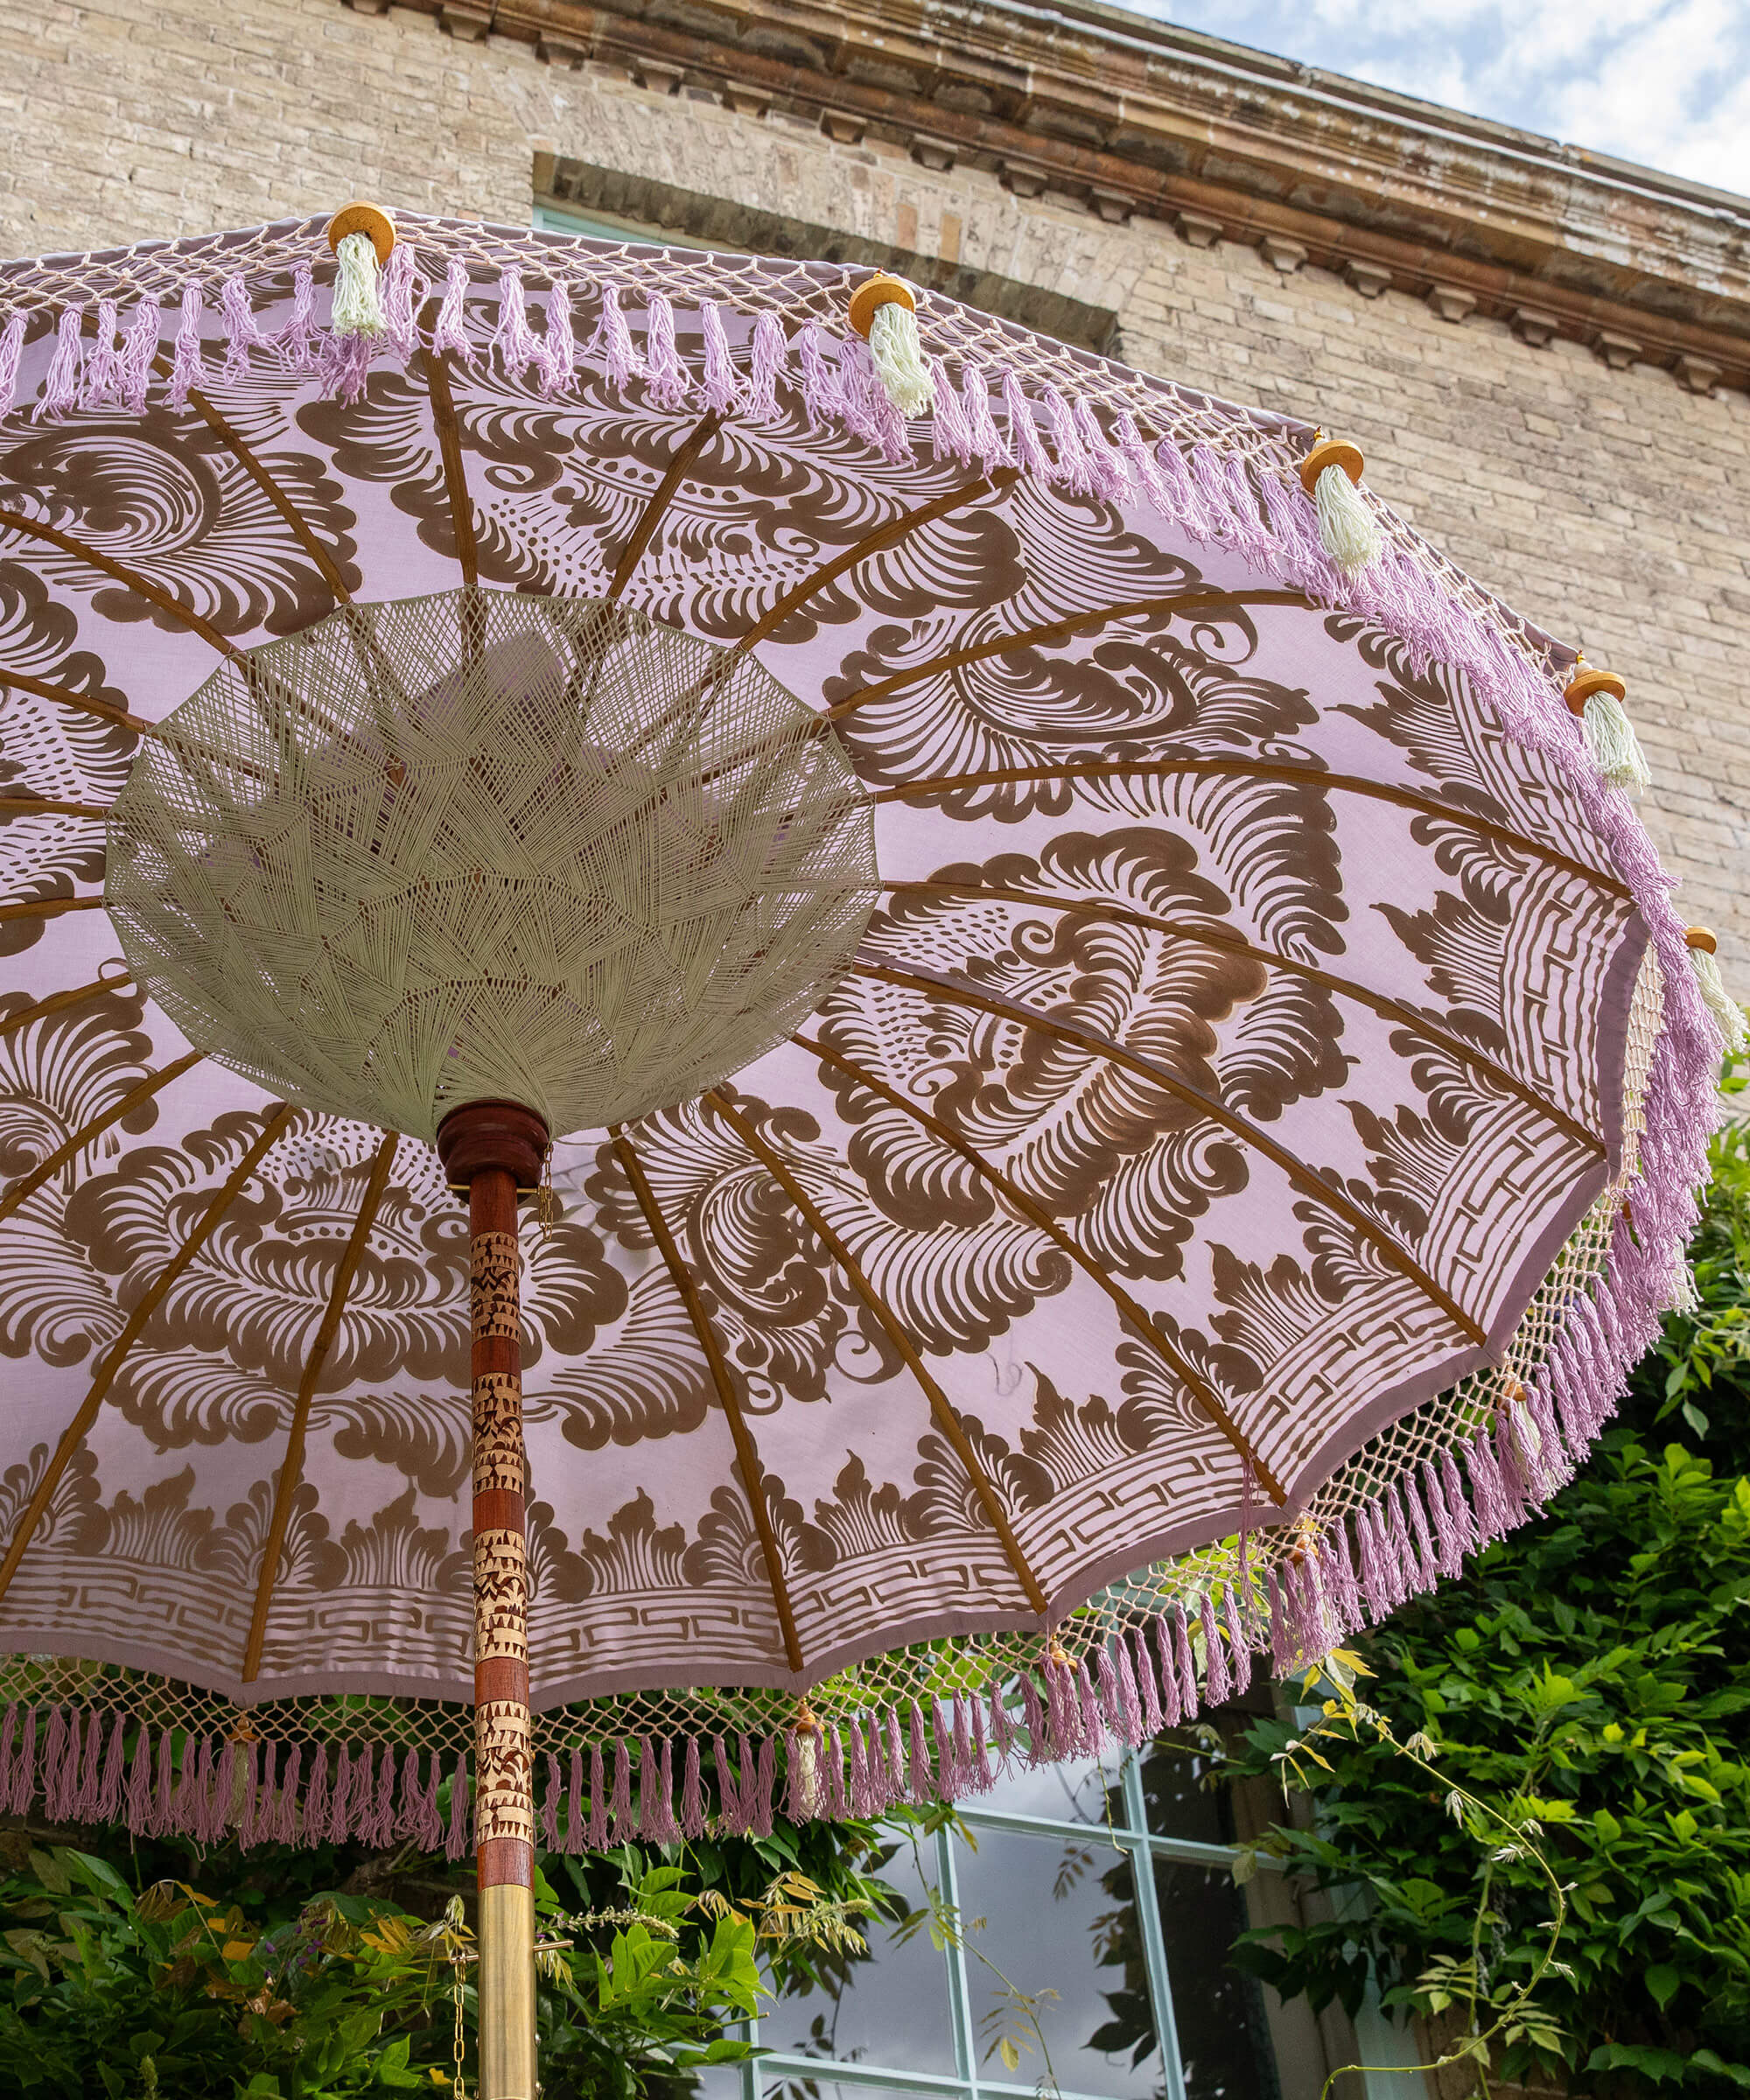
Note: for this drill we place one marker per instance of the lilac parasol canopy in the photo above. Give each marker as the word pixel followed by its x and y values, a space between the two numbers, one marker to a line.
pixel 1124 1088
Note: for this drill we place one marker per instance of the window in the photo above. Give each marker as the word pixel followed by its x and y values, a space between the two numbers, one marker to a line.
pixel 1096 1907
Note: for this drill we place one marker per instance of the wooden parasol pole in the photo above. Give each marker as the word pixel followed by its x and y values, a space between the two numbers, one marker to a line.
pixel 494 1148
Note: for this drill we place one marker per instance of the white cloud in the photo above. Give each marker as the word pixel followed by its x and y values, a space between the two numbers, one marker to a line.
pixel 1663 82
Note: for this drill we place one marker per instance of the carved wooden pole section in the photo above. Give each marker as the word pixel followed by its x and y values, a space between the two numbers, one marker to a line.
pixel 493 1149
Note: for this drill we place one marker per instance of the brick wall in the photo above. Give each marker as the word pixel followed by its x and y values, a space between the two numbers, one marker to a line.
pixel 1611 505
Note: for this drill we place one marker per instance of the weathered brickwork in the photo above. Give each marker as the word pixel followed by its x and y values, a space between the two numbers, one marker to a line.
pixel 1612 505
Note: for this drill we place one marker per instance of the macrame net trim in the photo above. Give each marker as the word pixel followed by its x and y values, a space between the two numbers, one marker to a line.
pixel 1003 393
pixel 936 1720
pixel 490 845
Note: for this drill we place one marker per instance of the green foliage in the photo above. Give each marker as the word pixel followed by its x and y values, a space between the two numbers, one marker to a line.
pixel 241 1977
pixel 1588 1680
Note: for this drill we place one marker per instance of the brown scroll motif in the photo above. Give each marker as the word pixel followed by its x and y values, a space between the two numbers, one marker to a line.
pixel 496 1273
pixel 499 1462
pixel 504 1760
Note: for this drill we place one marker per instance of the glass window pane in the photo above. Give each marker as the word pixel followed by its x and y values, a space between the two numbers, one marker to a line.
pixel 889 2007
pixel 1071 1792
pixel 1177 1769
pixel 1223 2041
pixel 789 2087
pixel 1049 1914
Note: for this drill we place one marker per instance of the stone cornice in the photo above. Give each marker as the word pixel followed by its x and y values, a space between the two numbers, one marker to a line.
pixel 1136 116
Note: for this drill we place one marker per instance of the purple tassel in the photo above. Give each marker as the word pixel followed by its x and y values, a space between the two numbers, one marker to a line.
pixel 60 387
pixel 574 1806
pixel 285 1813
pixel 340 1801
pixel 767 1779
pixel 1185 503
pixel 1181 1650
pixel 797 1807
pixel 11 353
pixel 419 1818
pixel 984 1775
pixel 187 369
pixel 267 1797
pixel 1148 1685
pixel 649 1814
pixel 765 362
pixel 1106 1692
pixel 720 390
pixel 965 1770
pixel 1516 1487
pixel 186 1812
pixel 668 1830
pixel 950 433
pixel 1130 1726
pixel 612 343
pixel 947 1764
pixel 242 331
pixel 1217 1689
pixel 295 347
pixel 404 293
pixel 202 1821
pixel 1093 1729
pixel 316 1798
pixel 456 1839
pixel 1110 470
pixel 167 1803
pixel 1033 1718
pixel 1241 1646
pixel 1002 1728
pixel 139 1787
pixel 58 1778
pixel 9 1730
pixel 1460 1512
pixel 559 346
pixel 1398 1535
pixel 1072 469
pixel 861 1794
pixel 692 1795
pixel 1171 1705
pixel 895 1783
pixel 224 1782
pixel 513 339
pixel 1427 1568
pixel 619 1801
pixel 1030 454
pixel 729 1789
pixel 449 331
pixel 1281 1648
pixel 599 1796
pixel 109 1803
pixel 922 1780
pixel 823 397
pixel 91 1769
pixel 1373 1580
pixel 833 1751
pixel 665 384
pixel 1062 1721
pixel 985 438
pixel 382 1824
pixel 102 380
pixel 1486 1498
pixel 549 1806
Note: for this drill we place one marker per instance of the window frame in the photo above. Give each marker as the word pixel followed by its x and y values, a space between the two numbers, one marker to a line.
pixel 1136 1842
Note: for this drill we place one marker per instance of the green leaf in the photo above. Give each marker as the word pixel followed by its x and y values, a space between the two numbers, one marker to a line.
pixel 1663 1981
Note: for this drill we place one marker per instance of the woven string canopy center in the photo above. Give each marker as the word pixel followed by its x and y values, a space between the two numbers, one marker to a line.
pixel 488 844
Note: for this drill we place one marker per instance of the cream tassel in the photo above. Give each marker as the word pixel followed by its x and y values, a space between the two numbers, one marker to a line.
pixel 1331 474
pixel 1727 1015
pixel 361 237
pixel 1597 697
pixel 884 311
pixel 1688 1298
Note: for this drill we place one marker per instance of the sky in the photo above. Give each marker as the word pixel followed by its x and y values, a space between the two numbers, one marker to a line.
pixel 1663 82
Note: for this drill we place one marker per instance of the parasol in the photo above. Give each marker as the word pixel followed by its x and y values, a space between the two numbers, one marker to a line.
pixel 1017 1046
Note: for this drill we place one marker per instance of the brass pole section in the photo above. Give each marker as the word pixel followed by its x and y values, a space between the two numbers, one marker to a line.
pixel 493 1149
